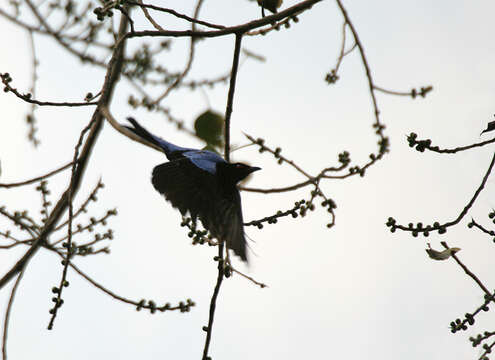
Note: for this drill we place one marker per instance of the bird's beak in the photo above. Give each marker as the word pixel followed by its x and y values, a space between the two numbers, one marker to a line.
pixel 253 169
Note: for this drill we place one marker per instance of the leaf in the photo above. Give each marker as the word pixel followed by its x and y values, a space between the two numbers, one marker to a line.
pixel 210 147
pixel 209 127
pixel 441 255
pixel 490 127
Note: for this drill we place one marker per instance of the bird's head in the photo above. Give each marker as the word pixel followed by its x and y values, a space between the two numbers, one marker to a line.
pixel 237 171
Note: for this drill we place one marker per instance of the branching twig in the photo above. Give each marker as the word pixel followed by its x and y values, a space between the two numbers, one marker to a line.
pixel 6 79
pixel 142 304
pixel 176 14
pixel 422 145
pixel 213 301
pixel 441 228
pixel 190 59
pixel 220 258
pixel 238 29
pixel 423 91
pixel 111 77
pixel 58 299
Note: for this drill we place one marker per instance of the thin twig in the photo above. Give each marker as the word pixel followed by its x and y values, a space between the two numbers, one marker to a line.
pixel 138 304
pixel 148 16
pixel 230 98
pixel 30 181
pixel 426 144
pixel 27 97
pixel 467 271
pixel 66 261
pixel 413 93
pixel 176 14
pixel 228 113
pixel 112 75
pixel 213 301
pixel 261 285
pixel 459 217
pixel 31 119
pixel 243 28
pixel 7 314
pixel 190 59
pixel 39 30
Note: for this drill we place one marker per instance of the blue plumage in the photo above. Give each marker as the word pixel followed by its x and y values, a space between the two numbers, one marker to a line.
pixel 203 159
pixel 202 183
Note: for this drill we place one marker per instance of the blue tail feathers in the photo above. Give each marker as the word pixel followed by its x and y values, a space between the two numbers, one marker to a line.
pixel 167 147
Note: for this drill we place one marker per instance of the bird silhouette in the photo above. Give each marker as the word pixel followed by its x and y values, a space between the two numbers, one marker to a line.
pixel 202 183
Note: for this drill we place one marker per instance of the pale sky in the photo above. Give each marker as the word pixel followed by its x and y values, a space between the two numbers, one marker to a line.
pixel 355 291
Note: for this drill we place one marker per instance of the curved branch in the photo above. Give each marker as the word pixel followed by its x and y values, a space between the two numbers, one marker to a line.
pixel 441 228
pixel 302 6
pixel 422 145
pixel 7 314
pixel 30 181
pixel 27 97
pixel 176 14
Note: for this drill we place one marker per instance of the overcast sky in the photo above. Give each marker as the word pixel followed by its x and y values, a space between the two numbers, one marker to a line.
pixel 355 291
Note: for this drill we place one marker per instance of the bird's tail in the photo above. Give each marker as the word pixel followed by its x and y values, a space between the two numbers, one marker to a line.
pixel 143 133
pixel 239 247
pixel 168 148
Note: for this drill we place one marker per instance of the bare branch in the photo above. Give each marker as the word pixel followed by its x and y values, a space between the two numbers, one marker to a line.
pixel 238 29
pixel 213 301
pixel 114 68
pixel 30 181
pixel 441 228
pixel 175 13
pixel 468 272
pixel 7 314
pixel 27 97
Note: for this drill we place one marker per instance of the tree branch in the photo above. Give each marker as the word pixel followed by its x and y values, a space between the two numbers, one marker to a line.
pixel 113 71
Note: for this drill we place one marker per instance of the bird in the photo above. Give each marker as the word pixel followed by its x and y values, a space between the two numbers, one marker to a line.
pixel 203 184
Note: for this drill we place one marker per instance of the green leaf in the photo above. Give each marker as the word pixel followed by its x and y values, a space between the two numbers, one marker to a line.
pixel 209 127
pixel 210 147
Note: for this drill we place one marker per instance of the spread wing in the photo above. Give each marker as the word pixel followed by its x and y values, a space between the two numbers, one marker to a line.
pixel 186 186
pixel 194 190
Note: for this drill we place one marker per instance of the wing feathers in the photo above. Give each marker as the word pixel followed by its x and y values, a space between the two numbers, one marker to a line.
pixel 191 189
